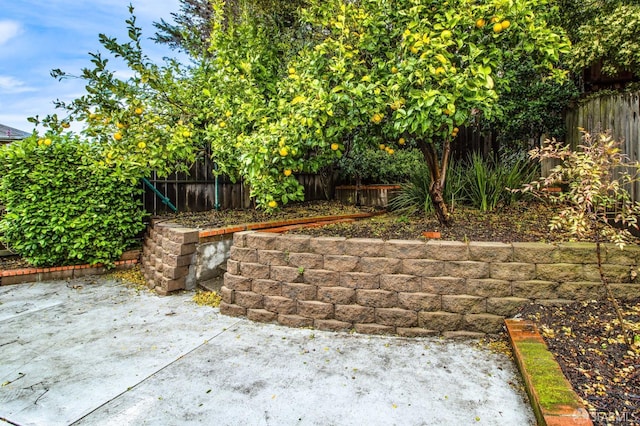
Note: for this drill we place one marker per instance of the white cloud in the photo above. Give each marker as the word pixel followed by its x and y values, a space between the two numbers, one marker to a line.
pixel 9 84
pixel 8 30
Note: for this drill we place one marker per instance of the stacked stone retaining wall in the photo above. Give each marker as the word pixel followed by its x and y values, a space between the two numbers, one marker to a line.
pixel 411 288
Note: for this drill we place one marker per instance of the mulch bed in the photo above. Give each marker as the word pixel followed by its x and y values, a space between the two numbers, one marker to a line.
pixel 588 343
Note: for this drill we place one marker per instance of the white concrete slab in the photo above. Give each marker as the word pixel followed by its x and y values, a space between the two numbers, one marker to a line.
pixel 94 352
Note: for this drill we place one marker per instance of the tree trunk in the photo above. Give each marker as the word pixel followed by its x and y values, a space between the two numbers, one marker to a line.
pixel 438 174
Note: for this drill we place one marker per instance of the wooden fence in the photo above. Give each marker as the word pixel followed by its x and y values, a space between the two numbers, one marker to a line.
pixel 619 113
pixel 197 190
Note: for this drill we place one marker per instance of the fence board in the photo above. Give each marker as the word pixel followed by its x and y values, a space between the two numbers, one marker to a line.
pixel 619 113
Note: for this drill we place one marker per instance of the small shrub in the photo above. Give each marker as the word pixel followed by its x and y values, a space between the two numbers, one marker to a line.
pixel 369 165
pixel 62 206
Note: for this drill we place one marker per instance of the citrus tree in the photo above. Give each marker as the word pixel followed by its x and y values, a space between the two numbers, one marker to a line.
pixel 408 72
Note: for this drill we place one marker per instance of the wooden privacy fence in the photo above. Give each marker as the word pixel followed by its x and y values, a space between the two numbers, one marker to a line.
pixel 619 113
pixel 197 190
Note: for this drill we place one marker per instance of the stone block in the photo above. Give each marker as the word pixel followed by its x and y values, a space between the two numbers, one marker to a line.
pixel 580 291
pixel 380 265
pixel 513 271
pixel 249 299
pixel 488 288
pixel 336 295
pixel 358 280
pixel 177 248
pixel 233 267
pixel 483 323
pixel 240 238
pixel 401 282
pixel 629 255
pixel 443 285
pixel 321 277
pixel 505 306
pixel 377 298
pixel 328 245
pixel 176 261
pixel 365 247
pixel 581 252
pixel 175 272
pixel 272 258
pixel 255 270
pixel 331 325
pixel 287 274
pixel 560 272
pixel 279 304
pixel 612 273
pixel 261 240
pixel 405 249
pixel 169 285
pixel 243 254
pixel 439 321
pixel 183 235
pixel 447 250
pixel 423 267
pixel 267 287
pixel 226 294
pixel 306 260
pixel 420 301
pixel 462 335
pixel 625 291
pixel 484 251
pixel 341 263
pixel 299 291
pixel 296 321
pixel 464 304
pixel 261 315
pixel 232 310
pixel 237 282
pixel 315 309
pixel 378 329
pixel 396 317
pixel 533 252
pixel 467 269
pixel 293 243
pixel 354 314
pixel 534 289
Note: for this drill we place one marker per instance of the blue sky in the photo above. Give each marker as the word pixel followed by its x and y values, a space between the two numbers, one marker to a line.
pixel 37 36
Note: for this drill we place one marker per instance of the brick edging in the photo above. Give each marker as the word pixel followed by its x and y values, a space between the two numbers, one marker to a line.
pixel 523 332
pixel 28 275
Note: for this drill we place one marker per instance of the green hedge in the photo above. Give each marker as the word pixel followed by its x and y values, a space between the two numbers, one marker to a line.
pixel 64 205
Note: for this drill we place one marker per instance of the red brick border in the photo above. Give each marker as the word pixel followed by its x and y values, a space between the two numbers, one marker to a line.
pixel 27 275
pixel 521 332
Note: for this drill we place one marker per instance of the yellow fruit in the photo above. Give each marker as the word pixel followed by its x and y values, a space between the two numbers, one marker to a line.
pixel 287 172
pixel 497 27
pixel 292 70
pixel 273 204
pixel 40 142
pixel 377 118
pixel 186 134
pixel 414 50
pixel 222 124
pixel 228 114
pixel 120 125
pixel 117 136
pixel 142 145
pixel 390 151
pixel 480 23
pixel 382 146
pixel 138 111
pixel 440 70
pixel 505 24
pixel 394 70
pixel 284 152
pixel 335 146
pixel 401 141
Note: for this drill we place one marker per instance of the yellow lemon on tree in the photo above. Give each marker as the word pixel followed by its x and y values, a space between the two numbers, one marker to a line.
pixel 505 24
pixel 120 125
pixel 186 134
pixel 390 151
pixel 382 146
pixel 273 204
pixel 497 27
pixel 481 23
pixel 401 141
pixel 138 111
pixel 287 172
pixel 283 151
pixel 47 142
pixel 292 70
pixel 335 146
pixel 377 117
pixel 142 145
pixel 394 70
pixel 117 136
pixel 222 124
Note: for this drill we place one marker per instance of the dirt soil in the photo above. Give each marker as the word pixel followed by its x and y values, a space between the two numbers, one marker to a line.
pixel 589 345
